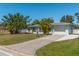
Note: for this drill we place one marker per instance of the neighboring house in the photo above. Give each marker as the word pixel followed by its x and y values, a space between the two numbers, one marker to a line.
pixel 57 28
pixel 25 31
pixel 3 29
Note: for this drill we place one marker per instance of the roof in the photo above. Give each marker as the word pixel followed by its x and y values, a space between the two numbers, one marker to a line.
pixel 34 26
pixel 61 23
pixel 52 24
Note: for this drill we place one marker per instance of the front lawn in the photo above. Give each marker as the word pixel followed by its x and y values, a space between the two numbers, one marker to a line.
pixel 63 48
pixel 8 39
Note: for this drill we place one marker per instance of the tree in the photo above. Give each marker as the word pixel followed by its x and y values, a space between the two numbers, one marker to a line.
pixel 77 15
pixel 15 22
pixel 35 22
pixel 63 19
pixel 67 19
pixel 45 24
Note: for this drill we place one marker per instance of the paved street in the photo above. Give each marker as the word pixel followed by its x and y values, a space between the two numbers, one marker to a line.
pixel 9 52
pixel 4 53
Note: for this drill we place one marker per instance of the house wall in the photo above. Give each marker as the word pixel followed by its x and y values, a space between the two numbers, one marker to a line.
pixel 75 31
pixel 37 30
pixel 56 29
pixel 25 31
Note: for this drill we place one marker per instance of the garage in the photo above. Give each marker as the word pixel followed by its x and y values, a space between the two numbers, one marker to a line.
pixel 61 28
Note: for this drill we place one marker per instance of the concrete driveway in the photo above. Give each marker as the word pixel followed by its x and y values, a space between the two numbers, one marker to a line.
pixel 30 47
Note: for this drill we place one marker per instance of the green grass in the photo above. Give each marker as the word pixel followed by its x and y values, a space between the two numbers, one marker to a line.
pixel 8 39
pixel 62 48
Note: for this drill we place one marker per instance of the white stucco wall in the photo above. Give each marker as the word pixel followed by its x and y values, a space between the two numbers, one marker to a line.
pixel 38 32
pixel 75 31
pixel 67 32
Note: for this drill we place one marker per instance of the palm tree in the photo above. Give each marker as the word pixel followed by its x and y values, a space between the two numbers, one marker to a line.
pixel 67 19
pixel 45 24
pixel 15 22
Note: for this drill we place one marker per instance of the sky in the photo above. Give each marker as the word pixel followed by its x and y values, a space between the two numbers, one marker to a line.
pixel 40 10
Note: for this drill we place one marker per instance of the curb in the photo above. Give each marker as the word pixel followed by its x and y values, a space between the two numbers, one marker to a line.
pixel 13 52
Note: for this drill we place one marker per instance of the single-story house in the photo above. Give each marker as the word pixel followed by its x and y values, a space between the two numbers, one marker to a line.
pixel 56 28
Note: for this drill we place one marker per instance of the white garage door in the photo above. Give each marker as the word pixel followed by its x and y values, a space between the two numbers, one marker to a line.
pixel 59 29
